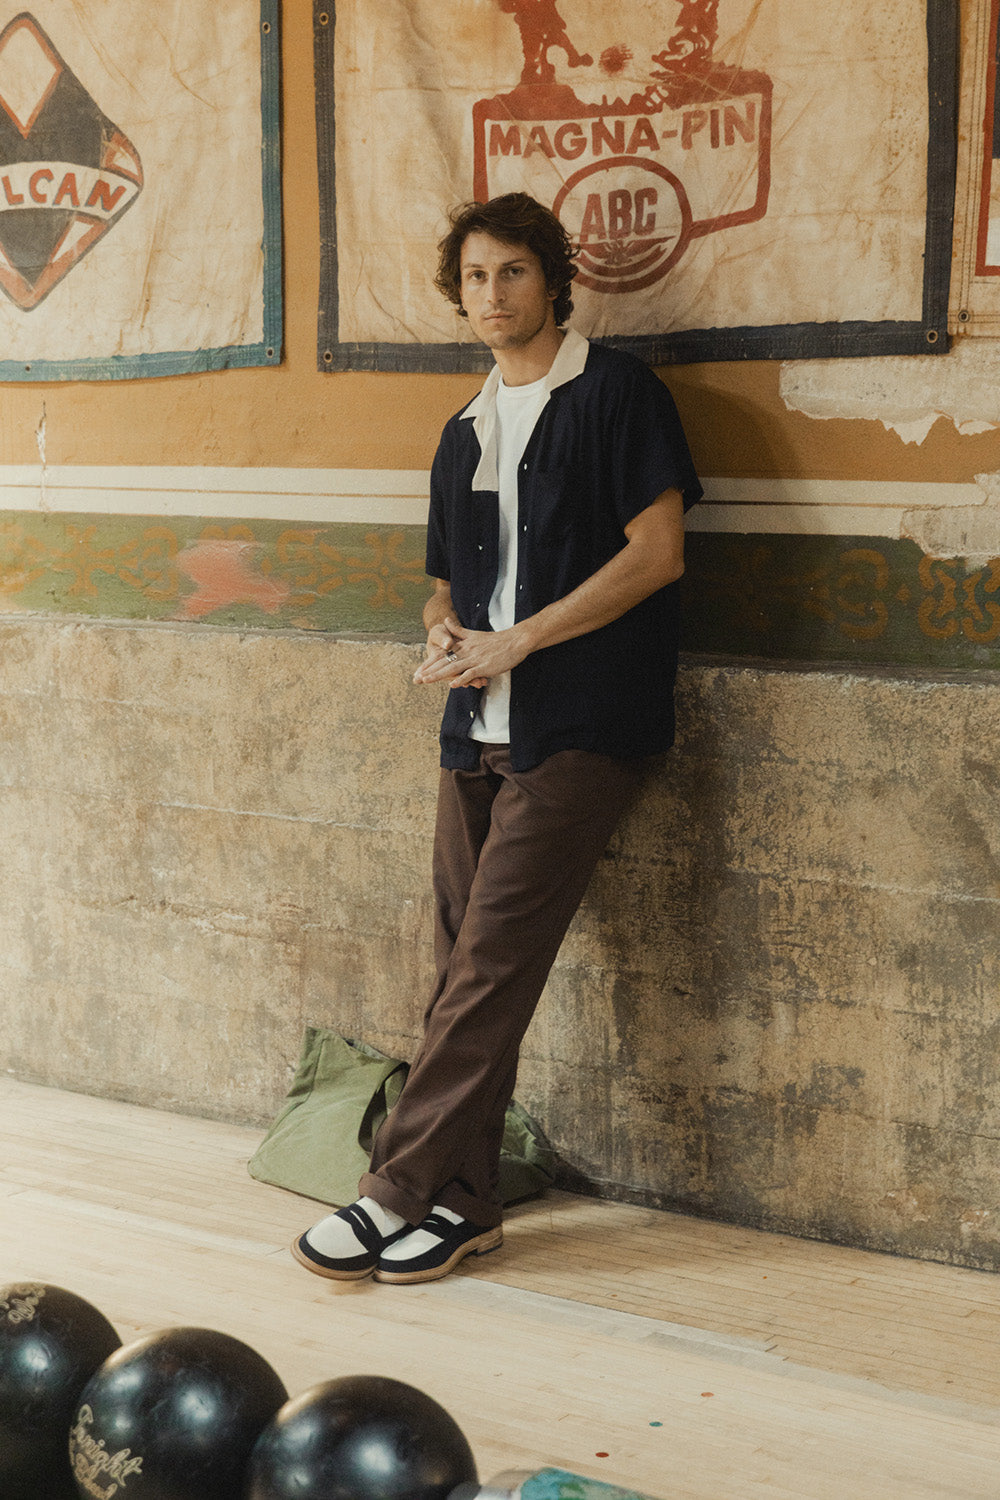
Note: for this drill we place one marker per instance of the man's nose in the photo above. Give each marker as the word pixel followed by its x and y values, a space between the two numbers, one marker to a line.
pixel 495 290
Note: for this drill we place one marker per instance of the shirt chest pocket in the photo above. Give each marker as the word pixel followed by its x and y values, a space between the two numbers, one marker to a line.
pixel 555 505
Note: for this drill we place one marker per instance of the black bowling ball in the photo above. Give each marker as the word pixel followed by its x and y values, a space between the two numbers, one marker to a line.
pixel 363 1437
pixel 173 1417
pixel 51 1342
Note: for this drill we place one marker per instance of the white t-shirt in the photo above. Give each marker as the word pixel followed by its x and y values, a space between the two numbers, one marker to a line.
pixel 518 409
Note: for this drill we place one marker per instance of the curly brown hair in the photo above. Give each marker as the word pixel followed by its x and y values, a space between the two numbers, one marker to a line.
pixel 513 219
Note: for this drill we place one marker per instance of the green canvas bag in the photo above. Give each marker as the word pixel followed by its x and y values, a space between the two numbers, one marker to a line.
pixel 342 1091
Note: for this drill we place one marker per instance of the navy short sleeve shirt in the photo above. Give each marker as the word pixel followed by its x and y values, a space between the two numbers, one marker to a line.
pixel 607 444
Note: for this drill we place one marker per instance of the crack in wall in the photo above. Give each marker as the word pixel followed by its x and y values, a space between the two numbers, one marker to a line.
pixel 41 436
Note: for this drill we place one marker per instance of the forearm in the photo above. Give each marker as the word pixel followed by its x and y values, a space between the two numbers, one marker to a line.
pixel 619 586
pixel 652 557
pixel 439 606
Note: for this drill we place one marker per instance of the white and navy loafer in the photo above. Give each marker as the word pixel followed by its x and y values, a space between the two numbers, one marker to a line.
pixel 435 1247
pixel 348 1267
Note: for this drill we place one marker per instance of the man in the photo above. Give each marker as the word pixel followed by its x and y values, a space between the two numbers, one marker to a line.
pixel 555 541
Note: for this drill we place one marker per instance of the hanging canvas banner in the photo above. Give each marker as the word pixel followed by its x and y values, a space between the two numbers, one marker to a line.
pixel 975 301
pixel 139 188
pixel 742 180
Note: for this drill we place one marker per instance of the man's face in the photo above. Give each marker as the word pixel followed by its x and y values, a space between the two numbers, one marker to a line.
pixel 504 292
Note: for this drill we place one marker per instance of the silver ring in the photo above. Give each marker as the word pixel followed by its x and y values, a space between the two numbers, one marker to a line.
pixel 451 656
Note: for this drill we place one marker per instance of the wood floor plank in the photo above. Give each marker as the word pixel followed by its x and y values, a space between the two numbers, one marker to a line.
pixel 704 1360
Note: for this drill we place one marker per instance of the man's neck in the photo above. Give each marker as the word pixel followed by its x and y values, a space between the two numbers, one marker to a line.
pixel 531 362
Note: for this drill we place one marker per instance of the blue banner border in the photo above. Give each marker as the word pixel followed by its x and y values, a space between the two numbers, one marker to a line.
pixel 926 335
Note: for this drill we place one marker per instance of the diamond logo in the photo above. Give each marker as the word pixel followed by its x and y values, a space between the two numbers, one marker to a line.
pixel 67 172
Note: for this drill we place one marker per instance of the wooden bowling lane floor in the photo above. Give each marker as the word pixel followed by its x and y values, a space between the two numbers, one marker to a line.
pixel 671 1355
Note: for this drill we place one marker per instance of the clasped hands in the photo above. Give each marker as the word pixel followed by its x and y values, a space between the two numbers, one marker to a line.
pixel 469 658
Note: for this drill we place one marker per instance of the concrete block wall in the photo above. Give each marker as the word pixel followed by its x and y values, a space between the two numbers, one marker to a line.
pixel 777 1005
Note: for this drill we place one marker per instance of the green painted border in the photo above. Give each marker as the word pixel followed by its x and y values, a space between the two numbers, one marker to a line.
pixel 855 599
pixel 838 599
pixel 265 574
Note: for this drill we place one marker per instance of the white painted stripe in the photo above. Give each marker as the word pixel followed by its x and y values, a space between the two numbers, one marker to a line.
pixel 797 520
pixel 395 497
pixel 824 507
pixel 881 493
pixel 398 497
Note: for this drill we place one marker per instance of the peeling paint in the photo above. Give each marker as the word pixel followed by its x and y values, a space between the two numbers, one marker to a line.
pixel 972 1221
pixel 971 532
pixel 908 395
pixel 967 534
pixel 906 1205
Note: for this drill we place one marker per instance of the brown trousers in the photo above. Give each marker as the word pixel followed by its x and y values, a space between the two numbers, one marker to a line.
pixel 513 854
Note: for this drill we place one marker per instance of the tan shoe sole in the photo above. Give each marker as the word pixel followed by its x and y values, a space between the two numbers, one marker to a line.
pixel 328 1272
pixel 490 1239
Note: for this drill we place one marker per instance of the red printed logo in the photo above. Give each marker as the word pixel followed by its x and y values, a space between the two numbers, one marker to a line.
pixel 67 173
pixel 633 180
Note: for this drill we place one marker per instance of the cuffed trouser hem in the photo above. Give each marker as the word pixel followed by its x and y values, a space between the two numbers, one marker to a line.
pixel 415 1210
